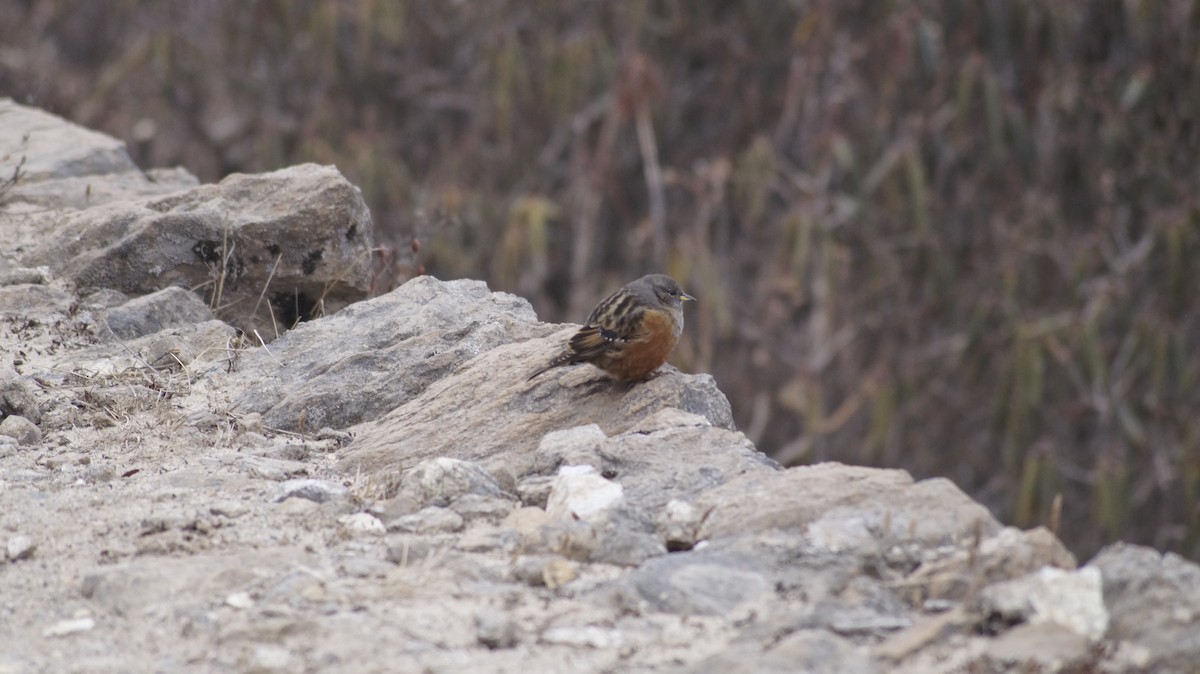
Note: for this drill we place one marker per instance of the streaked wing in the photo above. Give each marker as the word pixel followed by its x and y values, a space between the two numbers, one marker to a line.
pixel 591 342
pixel 603 309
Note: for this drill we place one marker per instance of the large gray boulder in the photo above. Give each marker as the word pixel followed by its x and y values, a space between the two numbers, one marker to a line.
pixel 264 251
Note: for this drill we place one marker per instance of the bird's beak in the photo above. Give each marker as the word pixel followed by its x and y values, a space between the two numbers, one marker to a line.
pixel 685 297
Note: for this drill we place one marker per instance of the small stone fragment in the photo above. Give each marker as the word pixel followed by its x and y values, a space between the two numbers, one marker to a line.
pixel 147 314
pixel 408 550
pixel 251 422
pixel 495 629
pixel 318 491
pixel 478 506
pixel 272 469
pixel 25 431
pixel 1070 599
pixel 580 493
pixel 428 520
pixel 298 507
pixel 340 438
pixel 24 275
pixel 487 539
pixel 442 480
pixel 535 490
pixel 230 509
pixel 578 446
pixel 679 525
pixel 362 523
pixel 363 567
pixel 525 521
pixel 18 396
pixel 19 547
pixel 529 569
pixel 268 658
pixel 586 636
pixel 70 626
pixel 558 572
pixel 240 600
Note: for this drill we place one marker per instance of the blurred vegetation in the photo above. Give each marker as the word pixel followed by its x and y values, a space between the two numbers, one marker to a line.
pixel 955 237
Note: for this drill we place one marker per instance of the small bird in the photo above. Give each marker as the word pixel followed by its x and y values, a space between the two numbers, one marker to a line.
pixel 632 332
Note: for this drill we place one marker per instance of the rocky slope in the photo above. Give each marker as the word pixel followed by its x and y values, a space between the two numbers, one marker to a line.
pixel 380 489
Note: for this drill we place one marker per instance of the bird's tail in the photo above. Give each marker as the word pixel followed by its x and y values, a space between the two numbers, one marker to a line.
pixel 558 361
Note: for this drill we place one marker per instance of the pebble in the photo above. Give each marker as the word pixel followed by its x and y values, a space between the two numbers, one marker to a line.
pixel 230 509
pixel 588 636
pixel 25 431
pixel 408 550
pixel 495 629
pixel 534 491
pixel 428 520
pixel 318 491
pixel 580 493
pixel 477 506
pixel 362 523
pixel 19 547
pixel 550 571
pixel 63 628
pixel 240 600
pixel 270 658
pixel 525 521
pixel 271 469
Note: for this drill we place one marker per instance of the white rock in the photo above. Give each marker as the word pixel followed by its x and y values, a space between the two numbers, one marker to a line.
pixel 837 532
pixel 240 600
pixel 63 628
pixel 271 658
pixel 19 547
pixel 440 480
pixel 586 636
pixel 580 492
pixel 587 437
pixel 679 524
pixel 362 522
pixel 1071 599
pixel 428 520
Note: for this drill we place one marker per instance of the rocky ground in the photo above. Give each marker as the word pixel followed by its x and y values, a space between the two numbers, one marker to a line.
pixel 380 488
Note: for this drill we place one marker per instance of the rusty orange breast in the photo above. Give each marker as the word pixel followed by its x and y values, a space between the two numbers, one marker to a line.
pixel 646 352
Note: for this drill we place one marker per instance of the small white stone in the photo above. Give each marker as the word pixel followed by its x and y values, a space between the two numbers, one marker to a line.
pixel 240 600
pixel 1073 599
pixel 586 636
pixel 837 532
pixel 19 547
pixel 271 658
pixel 588 436
pixel 63 628
pixel 428 520
pixel 363 523
pixel 579 492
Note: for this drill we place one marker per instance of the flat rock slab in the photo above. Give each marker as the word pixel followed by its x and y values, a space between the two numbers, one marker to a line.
pixel 499 417
pixel 847 507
